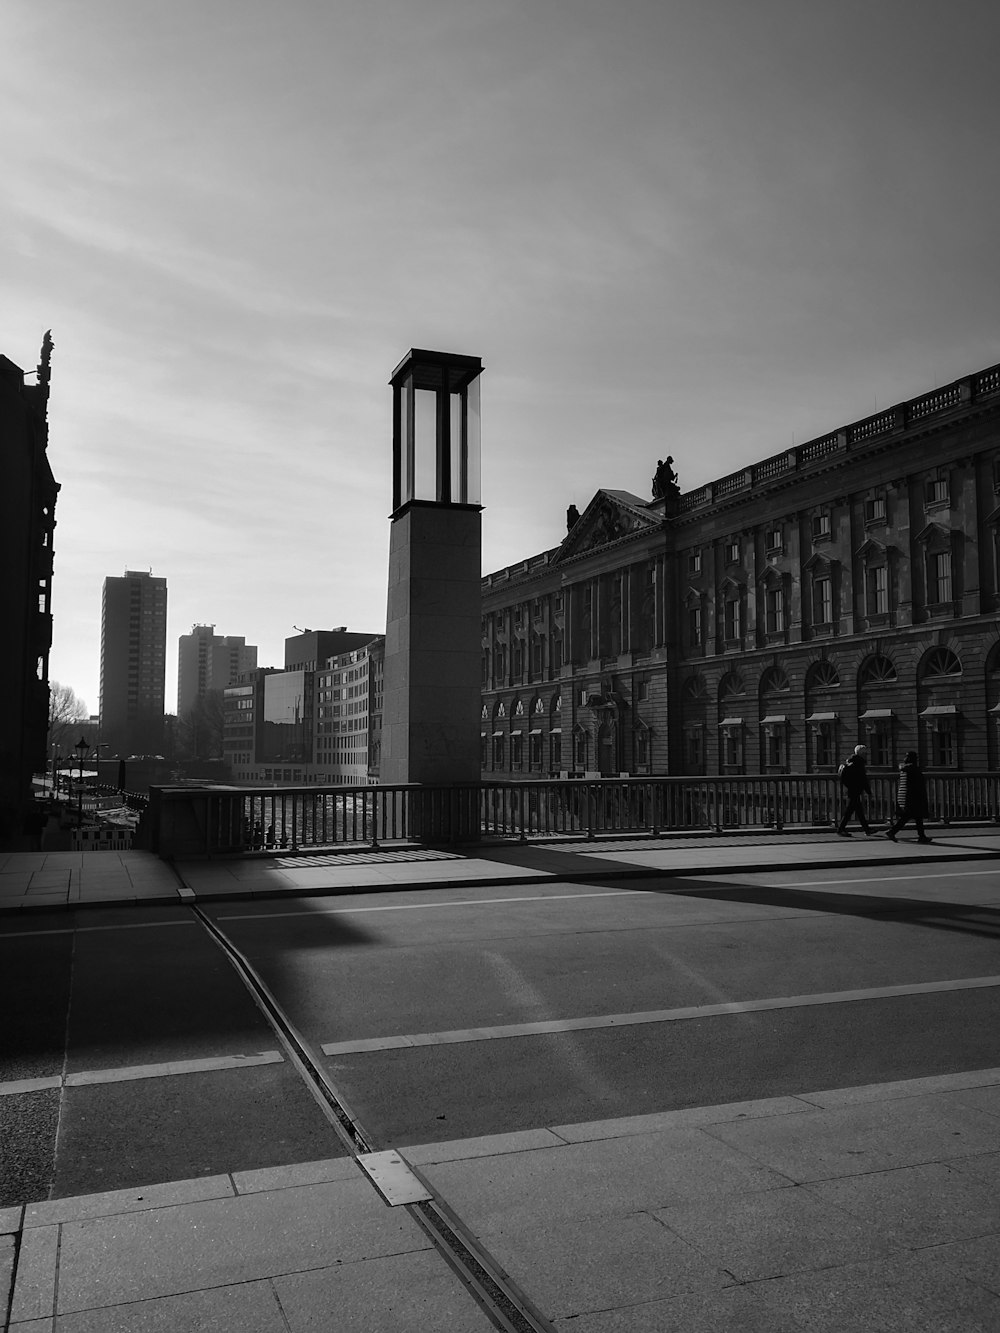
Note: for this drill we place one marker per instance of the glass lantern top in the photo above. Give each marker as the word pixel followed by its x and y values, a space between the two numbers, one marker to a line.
pixel 436 429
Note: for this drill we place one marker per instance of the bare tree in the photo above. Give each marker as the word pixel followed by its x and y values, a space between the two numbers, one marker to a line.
pixel 200 731
pixel 65 711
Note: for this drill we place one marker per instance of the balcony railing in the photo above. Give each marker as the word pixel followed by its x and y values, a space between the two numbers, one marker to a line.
pixel 190 821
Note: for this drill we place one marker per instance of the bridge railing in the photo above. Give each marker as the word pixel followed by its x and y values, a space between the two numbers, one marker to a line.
pixel 206 821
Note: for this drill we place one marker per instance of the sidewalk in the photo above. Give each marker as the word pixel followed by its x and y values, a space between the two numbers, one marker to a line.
pixel 36 880
pixel 861 1210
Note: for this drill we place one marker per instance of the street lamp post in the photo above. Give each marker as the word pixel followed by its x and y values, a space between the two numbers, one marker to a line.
pixel 56 761
pixel 82 748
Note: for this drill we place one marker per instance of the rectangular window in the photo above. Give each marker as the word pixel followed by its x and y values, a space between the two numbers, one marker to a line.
pixel 517 753
pixel 732 749
pixel 878 738
pixel 937 491
pixel 823 740
pixel 940 580
pixel 820 526
pixel 694 562
pixel 498 752
pixel 732 619
pixel 774 746
pixel 535 752
pixel 875 509
pixel 642 748
pixel 772 539
pixel 943 743
pixel 555 751
pixel 536 657
pixel 732 553
pixel 775 610
pixel 556 656
pixel 694 626
pixel 877 590
pixel 694 747
pixel 822 601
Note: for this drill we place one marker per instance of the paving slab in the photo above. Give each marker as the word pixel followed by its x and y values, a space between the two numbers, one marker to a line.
pixel 770 1234
pixel 402 1293
pixel 140 1256
pixel 581 1265
pixel 916 1206
pixel 903 1294
pixel 852 1140
pixel 250 1307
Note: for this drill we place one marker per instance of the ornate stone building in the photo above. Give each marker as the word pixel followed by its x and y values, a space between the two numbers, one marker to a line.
pixel 843 590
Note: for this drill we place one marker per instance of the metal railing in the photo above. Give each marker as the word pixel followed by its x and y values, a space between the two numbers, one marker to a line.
pixel 187 821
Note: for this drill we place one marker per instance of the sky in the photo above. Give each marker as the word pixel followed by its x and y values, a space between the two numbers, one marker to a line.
pixel 704 228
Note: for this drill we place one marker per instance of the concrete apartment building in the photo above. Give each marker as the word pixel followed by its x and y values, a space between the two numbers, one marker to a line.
pixel 209 661
pixel 133 664
pixel 845 590
pixel 28 494
pixel 313 722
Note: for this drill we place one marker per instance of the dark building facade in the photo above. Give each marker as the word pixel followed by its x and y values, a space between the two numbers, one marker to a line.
pixel 846 590
pixel 133 664
pixel 28 494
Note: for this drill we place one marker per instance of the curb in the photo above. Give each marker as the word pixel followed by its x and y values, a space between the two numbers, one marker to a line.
pixel 597 875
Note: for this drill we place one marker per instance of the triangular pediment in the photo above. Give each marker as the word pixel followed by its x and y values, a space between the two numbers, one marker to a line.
pixel 933 532
pixel 611 517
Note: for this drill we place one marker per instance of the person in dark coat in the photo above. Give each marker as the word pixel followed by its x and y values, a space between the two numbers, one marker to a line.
pixel 854 780
pixel 911 798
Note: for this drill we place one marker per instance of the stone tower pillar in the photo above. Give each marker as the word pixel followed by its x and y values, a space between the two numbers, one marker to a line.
pixel 431 702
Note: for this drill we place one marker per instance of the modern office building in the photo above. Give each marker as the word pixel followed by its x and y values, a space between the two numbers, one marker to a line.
pixel 133 664
pixel 845 590
pixel 28 493
pixel 209 661
pixel 315 721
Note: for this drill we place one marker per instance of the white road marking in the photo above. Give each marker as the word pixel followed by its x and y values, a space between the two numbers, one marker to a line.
pixel 91 1077
pixel 74 930
pixel 417 907
pixel 902 877
pixel 650 1016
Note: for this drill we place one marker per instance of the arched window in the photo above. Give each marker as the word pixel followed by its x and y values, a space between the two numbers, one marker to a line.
pixel 879 695
pixel 939 699
pixel 581 749
pixel 877 670
pixel 732 686
pixel 774 748
pixel 822 678
pixel 940 662
pixel 732 724
pixel 774 681
pixel 694 689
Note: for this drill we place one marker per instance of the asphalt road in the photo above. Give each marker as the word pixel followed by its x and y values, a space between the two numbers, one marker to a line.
pixel 89 995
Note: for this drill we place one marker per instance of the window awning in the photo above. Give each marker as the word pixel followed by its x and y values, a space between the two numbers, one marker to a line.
pixel 515 731
pixel 939 710
pixel 822 717
pixel 773 717
pixel 557 731
pixel 731 722
pixel 873 714
pixel 994 709
pixel 498 733
pixel 535 731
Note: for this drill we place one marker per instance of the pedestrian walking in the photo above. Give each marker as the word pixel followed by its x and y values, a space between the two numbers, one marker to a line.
pixel 911 798
pixel 854 780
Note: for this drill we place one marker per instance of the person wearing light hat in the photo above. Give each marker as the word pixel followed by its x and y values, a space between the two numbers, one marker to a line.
pixel 854 780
